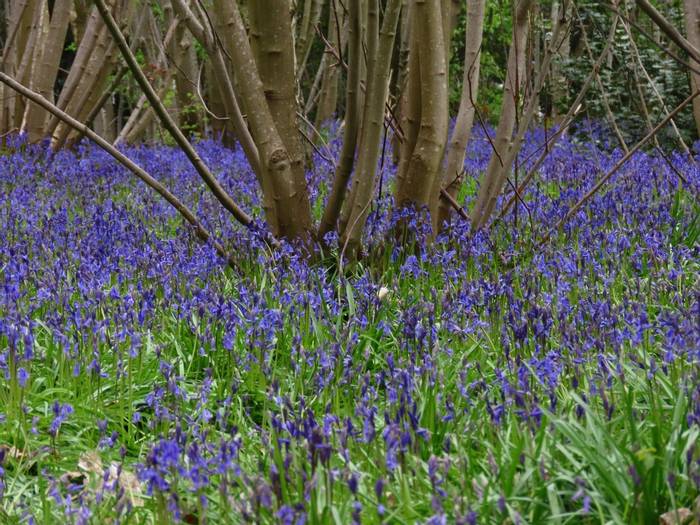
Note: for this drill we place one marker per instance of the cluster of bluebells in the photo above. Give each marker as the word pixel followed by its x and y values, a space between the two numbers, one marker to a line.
pixel 288 393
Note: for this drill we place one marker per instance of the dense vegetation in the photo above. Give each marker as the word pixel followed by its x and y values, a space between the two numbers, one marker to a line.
pixel 349 261
pixel 484 378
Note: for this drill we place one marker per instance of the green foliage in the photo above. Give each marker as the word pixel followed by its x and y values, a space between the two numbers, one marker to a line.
pixel 669 78
pixel 498 27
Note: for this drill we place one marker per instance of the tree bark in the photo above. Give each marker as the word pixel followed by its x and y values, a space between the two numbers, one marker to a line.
pixel 309 21
pixel 457 148
pixel 273 46
pixel 352 124
pixel 95 74
pixel 692 28
pixel 401 77
pixel 410 102
pixel 491 184
pixel 328 99
pixel 415 186
pixel 48 68
pixel 373 120
pixel 80 63
pixel 184 57
pixel 560 84
pixel 292 205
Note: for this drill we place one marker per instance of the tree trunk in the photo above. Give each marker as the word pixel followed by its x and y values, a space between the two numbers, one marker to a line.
pixel 692 28
pixel 373 121
pixel 410 101
pixel 96 72
pixel 80 63
pixel 217 118
pixel 559 82
pixel 492 183
pixel 457 149
pixel 401 78
pixel 415 185
pixel 25 40
pixel 48 67
pixel 292 205
pixel 328 99
pixel 352 124
pixel 273 47
pixel 307 30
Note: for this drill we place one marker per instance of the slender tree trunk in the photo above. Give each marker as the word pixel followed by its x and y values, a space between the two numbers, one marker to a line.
pixel 96 71
pixel 48 67
pixel 692 28
pixel 559 82
pixel 328 99
pixel 401 77
pixel 411 97
pixel 292 205
pixel 184 58
pixel 307 30
pixel 80 63
pixel 415 186
pixel 273 47
pixel 25 39
pixel 373 120
pixel 82 10
pixel 492 181
pixel 352 124
pixel 457 148
pixel 10 60
pixel 217 118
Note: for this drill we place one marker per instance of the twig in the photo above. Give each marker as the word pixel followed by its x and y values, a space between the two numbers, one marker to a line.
pixel 446 195
pixel 328 159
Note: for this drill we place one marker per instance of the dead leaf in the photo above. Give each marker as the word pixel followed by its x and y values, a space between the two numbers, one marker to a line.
pixel 129 482
pixel 680 516
pixel 91 462
pixel 12 452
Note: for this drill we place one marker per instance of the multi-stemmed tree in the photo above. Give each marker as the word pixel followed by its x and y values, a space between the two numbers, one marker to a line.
pixel 248 65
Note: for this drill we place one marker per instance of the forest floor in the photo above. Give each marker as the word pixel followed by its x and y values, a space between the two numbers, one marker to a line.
pixel 488 378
